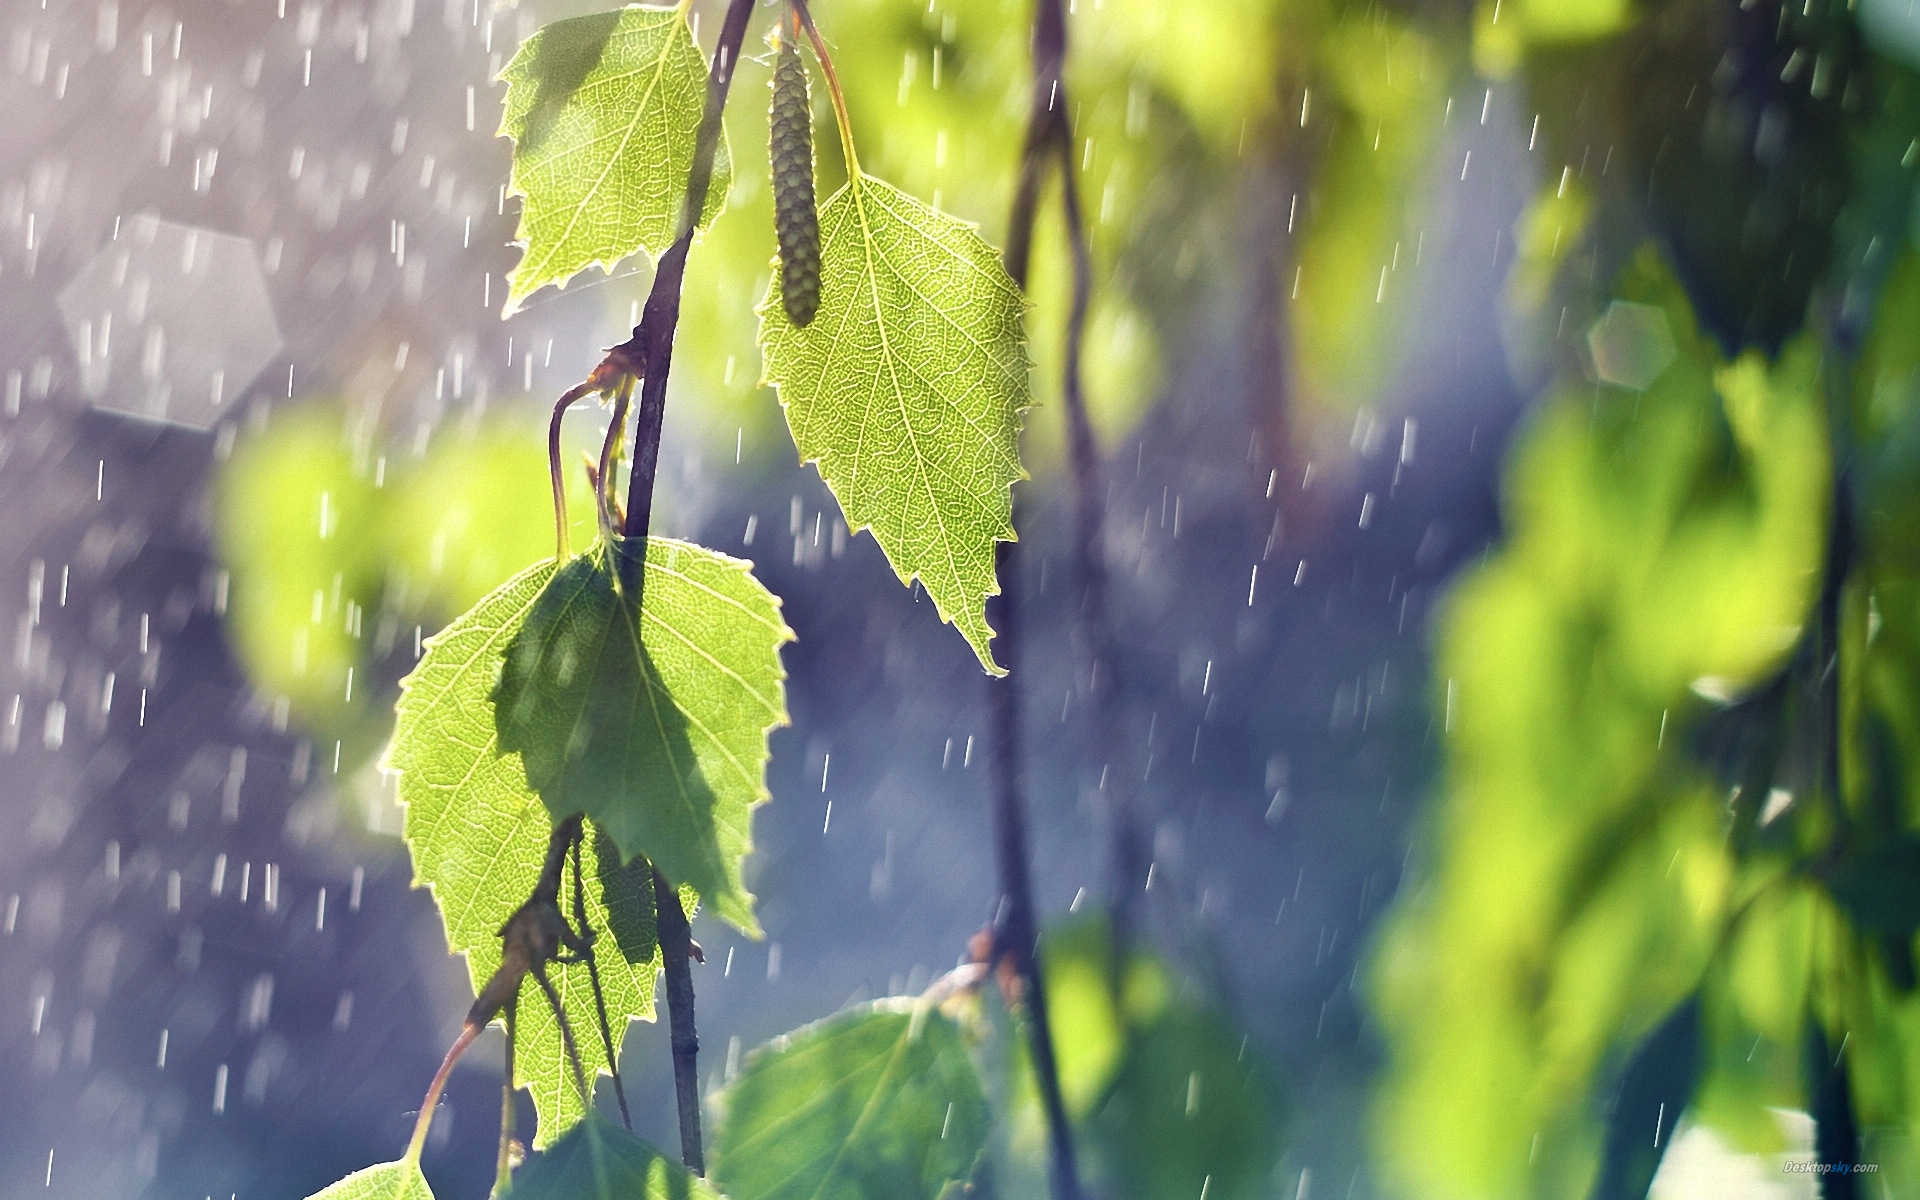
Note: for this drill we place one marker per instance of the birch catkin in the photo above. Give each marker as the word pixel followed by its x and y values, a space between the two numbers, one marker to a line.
pixel 795 220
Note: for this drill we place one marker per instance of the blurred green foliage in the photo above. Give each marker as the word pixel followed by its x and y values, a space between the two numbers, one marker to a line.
pixel 1663 544
pixel 1166 1095
pixel 1670 876
pixel 341 557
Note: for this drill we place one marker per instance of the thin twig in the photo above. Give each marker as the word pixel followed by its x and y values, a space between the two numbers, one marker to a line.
pixel 648 356
pixel 539 973
pixel 1017 932
pixel 503 1166
pixel 588 937
pixel 676 957
pixel 1017 928
pixel 649 352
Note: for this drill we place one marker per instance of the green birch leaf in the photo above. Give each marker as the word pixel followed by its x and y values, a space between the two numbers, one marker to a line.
pixel 478 833
pixel 603 111
pixel 907 388
pixel 878 1103
pixel 598 1160
pixel 659 733
pixel 389 1181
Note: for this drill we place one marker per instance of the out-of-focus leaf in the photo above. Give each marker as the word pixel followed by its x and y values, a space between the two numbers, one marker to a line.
pixel 1190 1108
pixel 473 512
pixel 1540 318
pixel 478 834
pixel 878 1103
pixel 1711 133
pixel 1359 243
pixel 906 390
pixel 1654 1090
pixel 603 111
pixel 389 1181
pixel 657 732
pixel 1165 1096
pixel 1662 541
pixel 299 529
pixel 598 1160
pixel 1879 886
pixel 1504 30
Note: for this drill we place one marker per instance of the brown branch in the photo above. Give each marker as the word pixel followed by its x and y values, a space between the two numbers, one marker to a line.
pixel 1049 135
pixel 587 938
pixel 676 957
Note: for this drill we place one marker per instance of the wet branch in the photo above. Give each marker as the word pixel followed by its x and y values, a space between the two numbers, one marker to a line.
pixel 676 955
pixel 1049 139
pixel 648 357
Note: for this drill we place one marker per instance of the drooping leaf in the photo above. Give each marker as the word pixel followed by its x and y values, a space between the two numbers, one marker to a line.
pixel 659 734
pixel 478 832
pixel 598 1160
pixel 878 1103
pixel 906 390
pixel 603 112
pixel 388 1181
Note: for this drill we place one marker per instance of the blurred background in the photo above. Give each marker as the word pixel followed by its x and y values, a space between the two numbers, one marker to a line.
pixel 1466 378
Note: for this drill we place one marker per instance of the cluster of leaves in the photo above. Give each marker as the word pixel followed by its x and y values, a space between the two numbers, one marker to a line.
pixel 640 700
pixel 1670 891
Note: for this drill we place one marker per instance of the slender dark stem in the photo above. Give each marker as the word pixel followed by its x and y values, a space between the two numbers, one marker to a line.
pixel 1017 926
pixel 648 355
pixel 503 1165
pixel 676 957
pixel 539 973
pixel 593 975
pixel 650 348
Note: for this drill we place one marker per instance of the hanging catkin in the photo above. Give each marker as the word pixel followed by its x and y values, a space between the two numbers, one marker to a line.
pixel 795 219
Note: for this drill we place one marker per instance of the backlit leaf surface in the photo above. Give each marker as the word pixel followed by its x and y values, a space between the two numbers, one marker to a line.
pixel 907 388
pixel 659 734
pixel 478 833
pixel 603 112
pixel 598 1160
pixel 388 1181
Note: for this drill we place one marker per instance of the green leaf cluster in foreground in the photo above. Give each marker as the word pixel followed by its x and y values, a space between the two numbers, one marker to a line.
pixel 906 389
pixel 603 110
pixel 477 825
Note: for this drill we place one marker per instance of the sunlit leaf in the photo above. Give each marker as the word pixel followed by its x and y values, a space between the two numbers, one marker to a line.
pixel 478 834
pixel 603 111
pixel 388 1181
pixel 906 391
pixel 598 1160
pixel 658 733
pixel 878 1103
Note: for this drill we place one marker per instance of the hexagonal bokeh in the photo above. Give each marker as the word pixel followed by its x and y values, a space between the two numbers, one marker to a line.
pixel 170 322
pixel 1631 345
